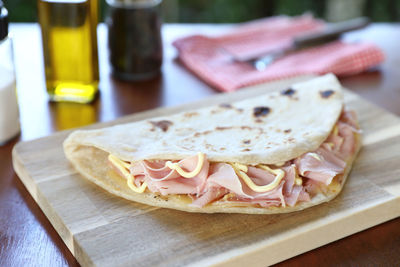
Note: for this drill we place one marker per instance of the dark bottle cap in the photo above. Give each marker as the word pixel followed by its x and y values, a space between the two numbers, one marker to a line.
pixel 3 21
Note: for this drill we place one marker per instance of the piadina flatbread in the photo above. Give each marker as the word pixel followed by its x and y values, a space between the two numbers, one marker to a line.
pixel 279 152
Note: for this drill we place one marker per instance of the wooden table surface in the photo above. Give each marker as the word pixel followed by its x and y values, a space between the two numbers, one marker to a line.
pixel 27 237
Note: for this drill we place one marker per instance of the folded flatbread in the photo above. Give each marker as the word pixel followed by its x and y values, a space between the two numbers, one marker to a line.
pixel 279 152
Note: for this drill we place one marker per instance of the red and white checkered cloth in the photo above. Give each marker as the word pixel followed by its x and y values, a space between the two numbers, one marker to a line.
pixel 212 58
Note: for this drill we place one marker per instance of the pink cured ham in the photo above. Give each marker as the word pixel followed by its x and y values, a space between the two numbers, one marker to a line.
pixel 349 117
pixel 215 180
pixel 347 148
pixel 313 187
pixel 223 175
pixel 212 194
pixel 321 165
pixel 293 193
pixel 161 179
pixel 329 159
pixel 290 176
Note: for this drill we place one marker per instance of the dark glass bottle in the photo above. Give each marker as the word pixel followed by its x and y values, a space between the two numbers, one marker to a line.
pixel 134 38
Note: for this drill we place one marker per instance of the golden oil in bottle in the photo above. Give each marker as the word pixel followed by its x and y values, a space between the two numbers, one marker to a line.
pixel 70 48
pixel 72 115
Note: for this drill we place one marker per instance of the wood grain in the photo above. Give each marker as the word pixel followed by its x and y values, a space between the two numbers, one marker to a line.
pixel 104 230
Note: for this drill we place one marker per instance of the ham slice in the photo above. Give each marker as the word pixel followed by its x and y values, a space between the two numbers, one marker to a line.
pixel 329 159
pixel 304 196
pixel 347 148
pixel 162 179
pixel 293 193
pixel 313 187
pixel 321 165
pixel 349 117
pixel 218 179
pixel 333 143
pixel 225 176
pixel 290 176
pixel 292 198
pixel 209 196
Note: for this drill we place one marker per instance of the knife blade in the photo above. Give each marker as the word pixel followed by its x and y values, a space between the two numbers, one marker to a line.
pixel 331 33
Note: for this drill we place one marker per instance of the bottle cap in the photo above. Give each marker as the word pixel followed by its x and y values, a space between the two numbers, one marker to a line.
pixel 3 21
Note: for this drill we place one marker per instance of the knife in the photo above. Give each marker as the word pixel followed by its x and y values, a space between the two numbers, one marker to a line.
pixel 331 33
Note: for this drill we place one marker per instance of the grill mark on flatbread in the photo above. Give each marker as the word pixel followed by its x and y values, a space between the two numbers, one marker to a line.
pixel 222 128
pixel 210 147
pixel 190 114
pixel 197 134
pixel 225 105
pixel 289 92
pixel 229 106
pixel 253 134
pixel 259 129
pixel 163 124
pixel 326 93
pixel 261 111
pixel 287 131
pixel 291 140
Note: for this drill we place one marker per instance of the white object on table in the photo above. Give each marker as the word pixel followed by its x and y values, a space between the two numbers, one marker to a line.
pixel 9 115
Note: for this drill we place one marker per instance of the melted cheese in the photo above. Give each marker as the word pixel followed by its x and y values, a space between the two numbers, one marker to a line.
pixel 241 167
pixel 132 186
pixel 330 144
pixel 185 174
pixel 315 156
pixel 298 181
pixel 123 167
pixel 240 170
pixel 229 195
pixel 335 130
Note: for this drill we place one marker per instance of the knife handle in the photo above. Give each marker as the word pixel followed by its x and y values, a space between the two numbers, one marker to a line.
pixel 331 33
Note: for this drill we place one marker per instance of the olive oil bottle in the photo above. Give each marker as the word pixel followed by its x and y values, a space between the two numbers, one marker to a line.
pixel 70 48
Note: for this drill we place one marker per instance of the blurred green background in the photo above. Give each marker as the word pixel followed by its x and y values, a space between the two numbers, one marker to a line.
pixel 230 11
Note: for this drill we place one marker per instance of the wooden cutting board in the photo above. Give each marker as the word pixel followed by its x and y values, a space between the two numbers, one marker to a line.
pixel 104 230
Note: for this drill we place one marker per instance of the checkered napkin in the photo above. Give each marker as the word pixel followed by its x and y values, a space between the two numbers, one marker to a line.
pixel 212 59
